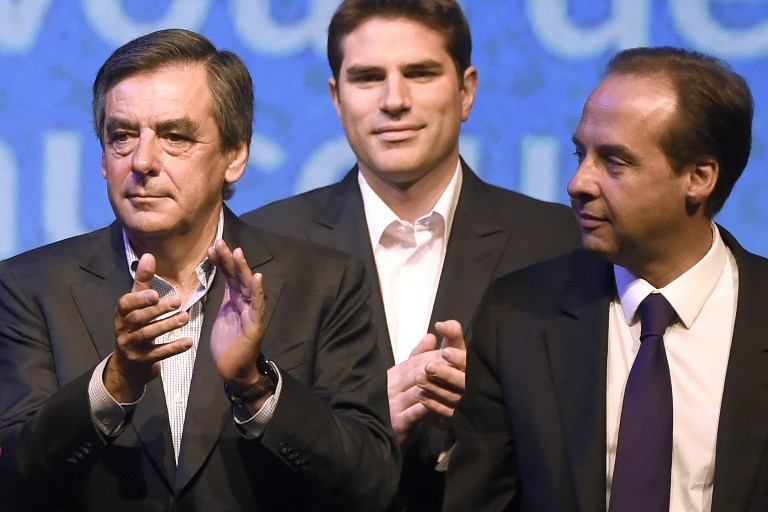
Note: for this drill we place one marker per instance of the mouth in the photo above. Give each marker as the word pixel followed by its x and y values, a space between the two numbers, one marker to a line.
pixel 144 196
pixel 396 133
pixel 589 221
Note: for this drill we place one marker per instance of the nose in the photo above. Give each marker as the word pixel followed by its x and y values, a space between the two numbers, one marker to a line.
pixel 144 156
pixel 396 96
pixel 583 184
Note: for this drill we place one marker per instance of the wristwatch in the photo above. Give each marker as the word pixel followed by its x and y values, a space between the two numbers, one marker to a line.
pixel 266 384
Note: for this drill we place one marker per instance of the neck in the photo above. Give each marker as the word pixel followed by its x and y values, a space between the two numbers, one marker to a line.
pixel 178 256
pixel 411 200
pixel 671 264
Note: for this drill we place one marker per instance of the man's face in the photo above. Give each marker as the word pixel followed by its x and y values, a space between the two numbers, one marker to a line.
pixel 162 159
pixel 400 100
pixel 630 204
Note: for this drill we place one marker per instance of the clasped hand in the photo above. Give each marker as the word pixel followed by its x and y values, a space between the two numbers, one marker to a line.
pixel 430 381
pixel 235 338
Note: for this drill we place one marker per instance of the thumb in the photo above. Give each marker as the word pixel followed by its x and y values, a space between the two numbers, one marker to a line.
pixel 427 343
pixel 452 334
pixel 145 271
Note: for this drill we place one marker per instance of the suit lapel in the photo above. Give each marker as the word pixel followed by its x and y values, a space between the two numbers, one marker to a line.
pixel 96 300
pixel 743 426
pixel 577 347
pixel 341 223
pixel 476 242
pixel 208 410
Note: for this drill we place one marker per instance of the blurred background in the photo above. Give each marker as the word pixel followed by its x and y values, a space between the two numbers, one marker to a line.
pixel 537 60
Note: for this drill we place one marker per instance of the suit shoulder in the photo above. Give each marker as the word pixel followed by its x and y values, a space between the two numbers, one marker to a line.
pixel 540 283
pixel 57 254
pixel 300 251
pixel 514 205
pixel 280 215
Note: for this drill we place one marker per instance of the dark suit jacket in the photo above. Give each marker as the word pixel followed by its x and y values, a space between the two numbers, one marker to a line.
pixel 495 231
pixel 531 424
pixel 328 446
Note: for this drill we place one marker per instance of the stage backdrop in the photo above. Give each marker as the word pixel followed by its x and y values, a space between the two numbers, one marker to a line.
pixel 537 62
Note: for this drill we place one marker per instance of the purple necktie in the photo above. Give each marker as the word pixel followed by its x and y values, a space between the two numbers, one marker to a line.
pixel 642 472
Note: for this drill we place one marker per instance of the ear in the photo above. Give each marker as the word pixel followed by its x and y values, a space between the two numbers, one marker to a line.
pixel 103 164
pixel 702 178
pixel 238 159
pixel 468 91
pixel 333 88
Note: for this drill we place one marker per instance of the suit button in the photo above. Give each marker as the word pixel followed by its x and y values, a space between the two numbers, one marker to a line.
pixel 284 449
pixel 297 462
pixel 73 460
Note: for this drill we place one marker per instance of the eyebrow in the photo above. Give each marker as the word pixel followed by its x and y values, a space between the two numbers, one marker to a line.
pixel 182 124
pixel 427 64
pixel 614 149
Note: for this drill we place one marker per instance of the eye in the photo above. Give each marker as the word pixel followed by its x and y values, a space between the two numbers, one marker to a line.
pixel 579 154
pixel 177 137
pixel 421 74
pixel 364 78
pixel 118 137
pixel 615 161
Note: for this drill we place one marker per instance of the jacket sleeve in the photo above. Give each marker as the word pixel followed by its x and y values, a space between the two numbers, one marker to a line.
pixel 482 473
pixel 336 430
pixel 47 436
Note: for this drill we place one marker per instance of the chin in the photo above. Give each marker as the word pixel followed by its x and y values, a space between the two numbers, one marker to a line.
pixel 605 248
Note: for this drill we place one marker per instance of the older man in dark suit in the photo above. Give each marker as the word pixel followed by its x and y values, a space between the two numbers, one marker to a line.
pixel 431 234
pixel 87 325
pixel 630 375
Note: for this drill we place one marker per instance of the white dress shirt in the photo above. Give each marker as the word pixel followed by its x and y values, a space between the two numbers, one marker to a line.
pixel 697 347
pixel 409 260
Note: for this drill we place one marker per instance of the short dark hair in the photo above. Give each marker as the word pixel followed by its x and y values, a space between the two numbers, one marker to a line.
pixel 713 116
pixel 228 78
pixel 442 16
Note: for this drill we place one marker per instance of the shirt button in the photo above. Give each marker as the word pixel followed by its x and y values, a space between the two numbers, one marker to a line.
pixel 107 421
pixel 176 332
pixel 177 398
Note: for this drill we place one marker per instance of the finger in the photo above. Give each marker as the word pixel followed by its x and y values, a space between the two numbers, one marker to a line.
pixel 436 406
pixel 452 334
pixel 253 317
pixel 401 400
pixel 427 343
pixel 162 351
pixel 158 328
pixel 137 309
pixel 444 381
pixel 402 376
pixel 145 271
pixel 455 357
pixel 404 420
pixel 243 271
pixel 221 257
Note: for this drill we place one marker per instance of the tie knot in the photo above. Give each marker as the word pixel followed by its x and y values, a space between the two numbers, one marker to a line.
pixel 656 314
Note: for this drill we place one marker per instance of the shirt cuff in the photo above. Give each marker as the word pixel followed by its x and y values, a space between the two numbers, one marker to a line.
pixel 106 413
pixel 252 427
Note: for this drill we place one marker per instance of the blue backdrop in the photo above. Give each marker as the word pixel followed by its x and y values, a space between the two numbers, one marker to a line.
pixel 537 61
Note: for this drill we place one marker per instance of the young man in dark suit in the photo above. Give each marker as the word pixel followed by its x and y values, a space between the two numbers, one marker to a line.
pixel 431 234
pixel 114 345
pixel 575 400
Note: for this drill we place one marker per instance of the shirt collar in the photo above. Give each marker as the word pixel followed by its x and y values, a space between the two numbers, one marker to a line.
pixel 205 271
pixel 379 216
pixel 687 294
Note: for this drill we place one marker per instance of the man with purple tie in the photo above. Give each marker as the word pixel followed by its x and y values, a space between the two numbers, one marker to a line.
pixel 575 400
